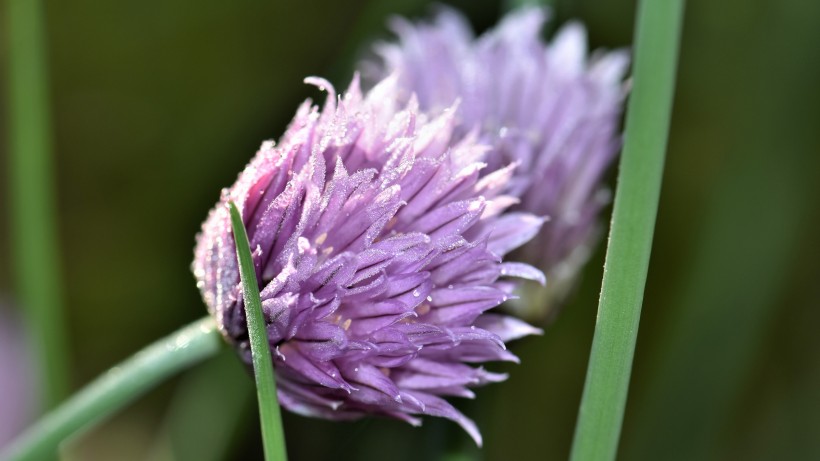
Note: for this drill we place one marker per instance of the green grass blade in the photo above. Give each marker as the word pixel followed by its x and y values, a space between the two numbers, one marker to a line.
pixel 630 241
pixel 116 388
pixel 34 237
pixel 273 437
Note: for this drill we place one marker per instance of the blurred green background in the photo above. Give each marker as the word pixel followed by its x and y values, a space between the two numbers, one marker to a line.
pixel 157 105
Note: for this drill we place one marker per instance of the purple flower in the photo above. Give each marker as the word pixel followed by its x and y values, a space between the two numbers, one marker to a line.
pixel 547 108
pixel 377 240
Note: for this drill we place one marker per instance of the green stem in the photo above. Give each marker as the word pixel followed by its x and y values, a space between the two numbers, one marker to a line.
pixel 273 437
pixel 657 35
pixel 36 256
pixel 116 388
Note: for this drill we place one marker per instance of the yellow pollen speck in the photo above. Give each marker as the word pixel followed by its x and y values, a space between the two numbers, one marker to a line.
pixel 346 324
pixel 327 251
pixel 321 239
pixel 423 309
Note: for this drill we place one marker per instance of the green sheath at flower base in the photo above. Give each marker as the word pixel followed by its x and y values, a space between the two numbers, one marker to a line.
pixel 273 437
pixel 630 241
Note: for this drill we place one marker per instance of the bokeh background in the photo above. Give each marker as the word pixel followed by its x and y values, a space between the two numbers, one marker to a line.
pixel 157 105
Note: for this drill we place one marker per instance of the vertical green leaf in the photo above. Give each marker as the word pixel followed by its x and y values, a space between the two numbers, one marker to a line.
pixel 34 237
pixel 273 437
pixel 657 35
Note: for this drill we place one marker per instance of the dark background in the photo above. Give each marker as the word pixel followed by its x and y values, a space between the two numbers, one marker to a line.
pixel 157 105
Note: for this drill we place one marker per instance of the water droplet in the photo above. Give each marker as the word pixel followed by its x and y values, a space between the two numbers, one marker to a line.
pixel 450 287
pixel 429 299
pixel 416 293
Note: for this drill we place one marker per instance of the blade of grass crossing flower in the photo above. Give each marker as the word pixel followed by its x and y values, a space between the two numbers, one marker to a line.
pixel 116 388
pixel 657 35
pixel 36 253
pixel 273 437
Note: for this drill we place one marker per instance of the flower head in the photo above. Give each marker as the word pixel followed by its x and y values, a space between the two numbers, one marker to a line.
pixel 547 108
pixel 377 243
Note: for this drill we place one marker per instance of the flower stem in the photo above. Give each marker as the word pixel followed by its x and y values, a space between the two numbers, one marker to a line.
pixel 657 36
pixel 116 388
pixel 273 437
pixel 36 253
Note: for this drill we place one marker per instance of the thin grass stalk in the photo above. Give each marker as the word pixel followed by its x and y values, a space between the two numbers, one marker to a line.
pixel 273 437
pixel 657 37
pixel 36 255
